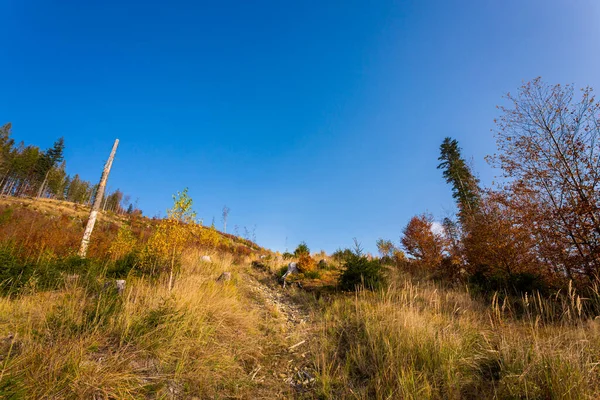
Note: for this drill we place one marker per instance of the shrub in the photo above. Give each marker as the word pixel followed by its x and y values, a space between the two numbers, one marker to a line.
pixel 121 267
pixel 312 275
pixel 306 263
pixel 360 271
pixel 482 281
pixel 259 265
pixel 242 251
pixel 123 244
pixel 322 264
pixel 302 249
pixel 342 256
pixel 6 215
pixel 282 271
pixel 47 273
pixel 14 273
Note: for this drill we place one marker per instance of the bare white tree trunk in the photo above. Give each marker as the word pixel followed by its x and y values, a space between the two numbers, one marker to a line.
pixel 225 215
pixel 42 187
pixel 97 202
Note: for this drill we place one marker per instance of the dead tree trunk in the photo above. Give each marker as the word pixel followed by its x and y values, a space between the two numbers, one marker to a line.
pixel 42 187
pixel 97 202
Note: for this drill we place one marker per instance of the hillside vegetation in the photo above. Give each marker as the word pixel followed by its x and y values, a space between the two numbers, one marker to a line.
pixel 501 300
pixel 67 332
pixel 75 336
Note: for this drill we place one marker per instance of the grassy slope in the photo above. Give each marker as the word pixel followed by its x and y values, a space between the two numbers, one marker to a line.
pixel 421 341
pixel 209 339
pixel 205 339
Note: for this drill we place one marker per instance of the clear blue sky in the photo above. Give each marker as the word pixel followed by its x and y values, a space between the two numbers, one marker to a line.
pixel 315 120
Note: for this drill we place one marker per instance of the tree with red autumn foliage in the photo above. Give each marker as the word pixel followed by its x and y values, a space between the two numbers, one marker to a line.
pixel 549 150
pixel 422 243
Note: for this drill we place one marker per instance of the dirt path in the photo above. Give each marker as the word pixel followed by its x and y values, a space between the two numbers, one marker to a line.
pixel 288 332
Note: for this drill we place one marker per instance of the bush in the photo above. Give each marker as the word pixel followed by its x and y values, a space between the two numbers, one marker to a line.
pixel 259 265
pixel 282 271
pixel 47 273
pixel 306 263
pixel 121 267
pixel 312 275
pixel 6 215
pixel 14 273
pixel 301 250
pixel 360 271
pixel 342 256
pixel 482 281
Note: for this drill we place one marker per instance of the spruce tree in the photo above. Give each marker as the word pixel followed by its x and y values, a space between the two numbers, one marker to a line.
pixel 465 187
pixel 49 160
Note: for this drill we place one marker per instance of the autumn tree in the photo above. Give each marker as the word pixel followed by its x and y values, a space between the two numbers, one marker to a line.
pixel 305 261
pixel 385 248
pixel 499 244
pixel 171 235
pixel 549 150
pixel 123 244
pixel 422 243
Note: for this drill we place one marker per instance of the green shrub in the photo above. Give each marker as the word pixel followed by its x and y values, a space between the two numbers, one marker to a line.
pixel 322 264
pixel 14 273
pixel 121 267
pixel 6 215
pixel 360 271
pixel 302 249
pixel 259 265
pixel 342 256
pixel 312 275
pixel 47 273
pixel 483 281
pixel 282 271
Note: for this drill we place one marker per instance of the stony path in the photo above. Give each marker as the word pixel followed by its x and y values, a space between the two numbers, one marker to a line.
pixel 289 346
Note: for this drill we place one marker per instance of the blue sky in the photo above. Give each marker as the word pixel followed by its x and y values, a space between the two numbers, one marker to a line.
pixel 312 120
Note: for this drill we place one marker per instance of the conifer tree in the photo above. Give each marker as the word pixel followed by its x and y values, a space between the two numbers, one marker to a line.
pixel 49 160
pixel 465 187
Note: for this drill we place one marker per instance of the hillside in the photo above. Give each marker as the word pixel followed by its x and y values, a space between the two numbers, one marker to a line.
pixel 67 331
pixel 68 334
pixel 46 220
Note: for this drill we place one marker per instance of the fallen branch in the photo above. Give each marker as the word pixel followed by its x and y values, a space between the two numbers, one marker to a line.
pixel 297 344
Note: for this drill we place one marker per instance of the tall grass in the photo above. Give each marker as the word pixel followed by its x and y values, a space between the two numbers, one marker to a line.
pixel 84 340
pixel 420 341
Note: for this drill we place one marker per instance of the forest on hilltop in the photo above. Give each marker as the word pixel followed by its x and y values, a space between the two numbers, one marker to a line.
pixel 26 170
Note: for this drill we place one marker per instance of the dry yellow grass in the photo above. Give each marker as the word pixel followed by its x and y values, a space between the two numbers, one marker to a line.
pixel 419 341
pixel 58 207
pixel 202 339
pixel 235 339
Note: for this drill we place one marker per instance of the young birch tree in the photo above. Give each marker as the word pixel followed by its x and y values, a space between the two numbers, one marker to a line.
pixel 173 233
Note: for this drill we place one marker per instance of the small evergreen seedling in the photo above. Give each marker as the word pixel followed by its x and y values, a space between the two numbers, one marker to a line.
pixel 359 271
